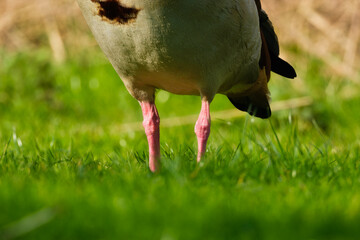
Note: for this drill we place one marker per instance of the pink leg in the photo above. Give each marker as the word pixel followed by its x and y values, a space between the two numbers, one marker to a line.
pixel 151 124
pixel 202 128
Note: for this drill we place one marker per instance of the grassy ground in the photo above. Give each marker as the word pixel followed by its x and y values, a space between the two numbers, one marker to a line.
pixel 66 172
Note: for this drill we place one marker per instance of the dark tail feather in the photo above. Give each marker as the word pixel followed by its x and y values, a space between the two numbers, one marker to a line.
pixel 247 105
pixel 278 65
pixel 282 67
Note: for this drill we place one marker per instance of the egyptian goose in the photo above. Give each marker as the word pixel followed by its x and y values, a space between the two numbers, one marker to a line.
pixel 188 47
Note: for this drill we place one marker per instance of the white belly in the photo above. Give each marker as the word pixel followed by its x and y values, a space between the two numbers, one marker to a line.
pixel 184 47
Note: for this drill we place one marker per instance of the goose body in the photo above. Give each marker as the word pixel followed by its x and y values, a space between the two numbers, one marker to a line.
pixel 186 47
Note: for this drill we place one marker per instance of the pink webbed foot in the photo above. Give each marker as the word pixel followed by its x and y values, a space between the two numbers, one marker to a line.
pixel 202 129
pixel 151 124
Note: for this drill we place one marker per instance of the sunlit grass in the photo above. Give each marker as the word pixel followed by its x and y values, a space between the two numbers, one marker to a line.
pixel 66 174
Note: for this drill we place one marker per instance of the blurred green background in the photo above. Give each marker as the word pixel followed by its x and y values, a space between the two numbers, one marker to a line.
pixel 73 163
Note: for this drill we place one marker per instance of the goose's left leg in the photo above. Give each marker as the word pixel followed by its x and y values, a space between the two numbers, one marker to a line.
pixel 202 128
pixel 151 124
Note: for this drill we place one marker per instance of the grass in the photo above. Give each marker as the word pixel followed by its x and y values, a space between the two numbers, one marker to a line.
pixel 66 173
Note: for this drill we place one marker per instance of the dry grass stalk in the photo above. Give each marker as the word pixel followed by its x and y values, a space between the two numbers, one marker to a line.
pixel 329 30
pixel 223 115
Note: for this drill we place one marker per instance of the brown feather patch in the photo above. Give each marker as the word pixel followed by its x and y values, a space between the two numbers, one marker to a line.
pixel 114 12
pixel 265 60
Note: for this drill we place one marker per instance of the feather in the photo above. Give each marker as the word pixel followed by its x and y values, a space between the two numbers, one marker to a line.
pixel 245 104
pixel 278 65
pixel 256 100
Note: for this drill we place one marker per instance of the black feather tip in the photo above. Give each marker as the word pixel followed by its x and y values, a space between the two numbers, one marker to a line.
pixel 282 67
pixel 245 104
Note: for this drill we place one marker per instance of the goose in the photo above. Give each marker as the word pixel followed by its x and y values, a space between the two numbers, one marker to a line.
pixel 187 47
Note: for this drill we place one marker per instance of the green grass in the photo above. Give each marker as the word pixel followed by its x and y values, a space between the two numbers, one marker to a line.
pixel 66 173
